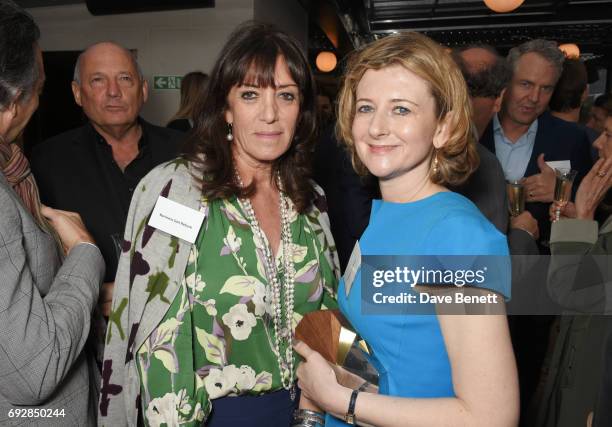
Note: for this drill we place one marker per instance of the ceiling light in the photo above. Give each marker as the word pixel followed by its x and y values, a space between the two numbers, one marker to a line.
pixel 326 61
pixel 570 50
pixel 502 6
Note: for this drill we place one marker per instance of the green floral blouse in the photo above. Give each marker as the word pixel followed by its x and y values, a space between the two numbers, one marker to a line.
pixel 217 337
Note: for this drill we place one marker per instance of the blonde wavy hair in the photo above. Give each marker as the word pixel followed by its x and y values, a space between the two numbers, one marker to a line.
pixel 457 158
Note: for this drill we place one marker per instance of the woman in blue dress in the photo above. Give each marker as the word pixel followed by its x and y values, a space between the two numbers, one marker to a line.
pixel 404 114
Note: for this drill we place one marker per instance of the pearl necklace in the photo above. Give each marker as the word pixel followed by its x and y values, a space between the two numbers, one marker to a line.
pixel 283 334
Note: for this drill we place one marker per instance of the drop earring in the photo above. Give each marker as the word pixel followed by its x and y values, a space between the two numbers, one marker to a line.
pixel 230 135
pixel 435 168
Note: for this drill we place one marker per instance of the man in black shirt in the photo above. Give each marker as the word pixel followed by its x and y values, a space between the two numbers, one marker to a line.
pixel 94 169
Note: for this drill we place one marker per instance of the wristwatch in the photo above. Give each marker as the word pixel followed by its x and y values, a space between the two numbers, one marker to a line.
pixel 349 418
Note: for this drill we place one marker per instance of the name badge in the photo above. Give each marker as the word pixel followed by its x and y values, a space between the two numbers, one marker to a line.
pixel 352 268
pixel 176 219
pixel 560 164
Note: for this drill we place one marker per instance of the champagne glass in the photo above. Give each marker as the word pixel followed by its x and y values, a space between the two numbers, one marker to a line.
pixel 564 179
pixel 516 197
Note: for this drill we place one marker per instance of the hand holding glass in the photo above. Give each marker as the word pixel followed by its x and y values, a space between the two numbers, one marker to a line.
pixel 564 179
pixel 516 197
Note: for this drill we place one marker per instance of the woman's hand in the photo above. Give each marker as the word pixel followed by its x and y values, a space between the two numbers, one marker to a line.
pixel 593 188
pixel 567 211
pixel 317 380
pixel 68 225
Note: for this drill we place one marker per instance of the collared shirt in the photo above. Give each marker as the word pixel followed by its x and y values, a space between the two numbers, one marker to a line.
pixel 514 156
pixel 123 182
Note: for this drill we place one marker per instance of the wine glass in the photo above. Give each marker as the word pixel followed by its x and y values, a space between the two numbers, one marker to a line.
pixel 564 179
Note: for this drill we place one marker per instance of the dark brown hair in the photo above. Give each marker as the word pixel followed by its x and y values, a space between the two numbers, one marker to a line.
pixel 250 56
pixel 570 87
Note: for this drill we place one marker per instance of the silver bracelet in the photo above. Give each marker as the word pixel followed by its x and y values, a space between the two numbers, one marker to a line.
pixel 307 418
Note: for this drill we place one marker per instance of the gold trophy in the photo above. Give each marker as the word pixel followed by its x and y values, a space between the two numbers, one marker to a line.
pixel 330 334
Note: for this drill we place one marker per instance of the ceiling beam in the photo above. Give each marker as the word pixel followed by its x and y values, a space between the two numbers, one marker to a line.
pixel 441 21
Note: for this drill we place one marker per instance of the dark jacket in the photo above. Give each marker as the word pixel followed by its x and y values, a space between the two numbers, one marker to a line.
pixel 558 140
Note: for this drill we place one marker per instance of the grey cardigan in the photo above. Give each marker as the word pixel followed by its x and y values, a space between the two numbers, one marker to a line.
pixel 45 312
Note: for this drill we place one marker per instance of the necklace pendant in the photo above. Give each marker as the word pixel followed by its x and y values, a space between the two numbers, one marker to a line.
pixel 292 392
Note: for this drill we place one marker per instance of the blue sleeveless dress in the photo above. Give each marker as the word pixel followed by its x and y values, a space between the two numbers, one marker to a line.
pixel 408 350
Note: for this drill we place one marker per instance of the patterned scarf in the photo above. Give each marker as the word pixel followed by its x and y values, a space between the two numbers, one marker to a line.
pixel 16 169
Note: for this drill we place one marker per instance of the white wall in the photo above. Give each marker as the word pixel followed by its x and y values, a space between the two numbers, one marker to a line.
pixel 168 43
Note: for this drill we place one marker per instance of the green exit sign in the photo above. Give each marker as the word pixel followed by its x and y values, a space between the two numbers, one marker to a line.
pixel 167 82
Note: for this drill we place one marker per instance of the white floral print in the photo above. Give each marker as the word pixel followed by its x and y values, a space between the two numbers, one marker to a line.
pixel 260 299
pixel 163 410
pixel 223 307
pixel 219 382
pixel 240 321
pixel 246 378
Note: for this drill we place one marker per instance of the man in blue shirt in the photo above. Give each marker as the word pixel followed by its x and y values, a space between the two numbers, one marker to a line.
pixel 487 75
pixel 524 135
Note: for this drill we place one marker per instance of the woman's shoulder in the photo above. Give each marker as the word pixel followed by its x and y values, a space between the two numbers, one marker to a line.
pixel 173 179
pixel 460 222
pixel 457 208
pixel 178 168
pixel 172 172
pixel 458 202
pixel 319 199
pixel 442 209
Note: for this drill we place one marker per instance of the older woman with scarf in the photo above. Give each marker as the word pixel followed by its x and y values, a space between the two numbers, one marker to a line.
pixel 45 303
pixel 201 324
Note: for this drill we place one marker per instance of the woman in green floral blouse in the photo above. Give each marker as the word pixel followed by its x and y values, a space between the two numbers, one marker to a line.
pixel 201 333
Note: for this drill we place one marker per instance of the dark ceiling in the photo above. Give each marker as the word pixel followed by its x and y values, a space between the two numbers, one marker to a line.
pixel 456 22
pixel 344 24
pixel 43 3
